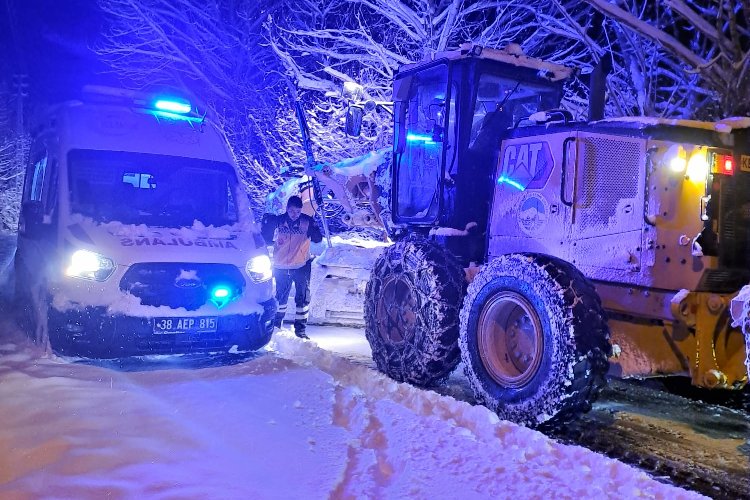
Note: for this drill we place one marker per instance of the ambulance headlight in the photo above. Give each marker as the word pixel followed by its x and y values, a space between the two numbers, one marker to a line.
pixel 88 265
pixel 259 268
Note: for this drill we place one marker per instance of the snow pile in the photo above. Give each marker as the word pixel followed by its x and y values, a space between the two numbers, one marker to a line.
pixel 338 279
pixel 303 424
pixel 353 251
pixel 359 165
pixel 470 449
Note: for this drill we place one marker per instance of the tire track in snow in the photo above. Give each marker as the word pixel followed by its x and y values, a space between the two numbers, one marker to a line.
pixel 480 421
pixel 371 442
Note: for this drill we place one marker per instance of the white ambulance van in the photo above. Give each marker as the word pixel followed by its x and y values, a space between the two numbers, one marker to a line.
pixel 135 235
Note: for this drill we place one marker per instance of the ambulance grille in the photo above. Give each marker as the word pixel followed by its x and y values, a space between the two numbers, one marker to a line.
pixel 176 284
pixel 610 173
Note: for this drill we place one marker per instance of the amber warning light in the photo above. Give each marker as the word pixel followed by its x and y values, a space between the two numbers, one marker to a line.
pixel 723 164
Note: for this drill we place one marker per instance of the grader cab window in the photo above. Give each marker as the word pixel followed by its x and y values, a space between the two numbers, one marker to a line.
pixel 502 102
pixel 422 117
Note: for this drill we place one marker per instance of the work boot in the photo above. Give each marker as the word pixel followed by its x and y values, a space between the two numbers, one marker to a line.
pixel 301 334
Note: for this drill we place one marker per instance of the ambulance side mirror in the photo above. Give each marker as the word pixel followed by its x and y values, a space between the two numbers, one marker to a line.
pixel 32 219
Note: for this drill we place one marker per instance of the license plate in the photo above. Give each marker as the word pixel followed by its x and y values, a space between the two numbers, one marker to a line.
pixel 201 324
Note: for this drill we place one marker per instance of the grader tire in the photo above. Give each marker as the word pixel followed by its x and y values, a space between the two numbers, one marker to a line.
pixel 412 304
pixel 534 339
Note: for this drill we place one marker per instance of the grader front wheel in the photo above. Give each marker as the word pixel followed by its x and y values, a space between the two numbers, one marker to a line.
pixel 411 312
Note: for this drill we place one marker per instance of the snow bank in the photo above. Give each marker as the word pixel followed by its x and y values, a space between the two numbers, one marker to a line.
pixel 441 446
pixel 300 423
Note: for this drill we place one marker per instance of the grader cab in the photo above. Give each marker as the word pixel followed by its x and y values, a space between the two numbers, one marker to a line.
pixel 546 253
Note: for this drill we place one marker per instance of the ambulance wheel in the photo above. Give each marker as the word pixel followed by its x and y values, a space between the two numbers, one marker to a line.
pixel 534 339
pixel 412 303
pixel 32 313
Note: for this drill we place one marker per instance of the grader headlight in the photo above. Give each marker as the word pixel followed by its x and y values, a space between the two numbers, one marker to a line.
pixel 677 158
pixel 697 165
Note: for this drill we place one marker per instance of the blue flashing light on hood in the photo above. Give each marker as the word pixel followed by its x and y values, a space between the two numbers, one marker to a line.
pixel 221 295
pixel 510 182
pixel 419 138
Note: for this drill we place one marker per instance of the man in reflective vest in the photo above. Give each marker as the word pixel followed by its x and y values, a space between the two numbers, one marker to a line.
pixel 291 234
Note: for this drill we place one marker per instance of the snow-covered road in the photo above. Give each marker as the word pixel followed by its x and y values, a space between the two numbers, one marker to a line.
pixel 293 422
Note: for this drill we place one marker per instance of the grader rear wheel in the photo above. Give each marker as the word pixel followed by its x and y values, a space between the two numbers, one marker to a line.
pixel 534 339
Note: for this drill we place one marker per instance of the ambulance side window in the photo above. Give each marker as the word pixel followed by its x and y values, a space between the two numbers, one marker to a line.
pixel 231 208
pixel 50 187
pixel 40 183
pixel 35 174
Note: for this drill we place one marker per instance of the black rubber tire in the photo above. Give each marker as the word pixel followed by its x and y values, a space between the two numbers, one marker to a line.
pixel 412 301
pixel 572 360
pixel 22 299
pixel 32 304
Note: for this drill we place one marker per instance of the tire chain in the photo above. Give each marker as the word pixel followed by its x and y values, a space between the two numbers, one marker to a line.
pixel 416 260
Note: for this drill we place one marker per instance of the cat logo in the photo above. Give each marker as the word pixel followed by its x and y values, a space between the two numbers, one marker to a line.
pixel 528 164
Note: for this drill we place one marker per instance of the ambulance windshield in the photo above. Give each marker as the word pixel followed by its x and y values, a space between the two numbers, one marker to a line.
pixel 156 190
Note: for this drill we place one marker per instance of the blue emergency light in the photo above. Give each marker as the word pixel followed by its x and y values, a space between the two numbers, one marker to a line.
pixel 411 137
pixel 221 295
pixel 173 106
pixel 510 182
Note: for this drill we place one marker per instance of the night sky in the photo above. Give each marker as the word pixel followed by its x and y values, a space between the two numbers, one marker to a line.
pixel 51 41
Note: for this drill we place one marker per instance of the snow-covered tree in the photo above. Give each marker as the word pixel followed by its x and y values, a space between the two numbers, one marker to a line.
pixel 14 147
pixel 324 43
pixel 214 50
pixel 682 58
pixel 677 58
pixel 703 48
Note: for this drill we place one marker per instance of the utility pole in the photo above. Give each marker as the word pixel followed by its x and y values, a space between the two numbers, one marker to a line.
pixel 21 86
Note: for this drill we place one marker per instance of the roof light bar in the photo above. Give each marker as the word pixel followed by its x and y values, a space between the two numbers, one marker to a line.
pixel 173 106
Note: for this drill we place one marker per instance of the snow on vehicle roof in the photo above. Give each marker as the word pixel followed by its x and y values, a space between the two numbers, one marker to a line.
pixel 724 126
pixel 511 54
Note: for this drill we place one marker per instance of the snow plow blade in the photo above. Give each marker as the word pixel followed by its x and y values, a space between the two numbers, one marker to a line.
pixel 740 311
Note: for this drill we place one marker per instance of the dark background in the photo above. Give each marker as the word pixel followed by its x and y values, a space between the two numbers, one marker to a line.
pixel 52 42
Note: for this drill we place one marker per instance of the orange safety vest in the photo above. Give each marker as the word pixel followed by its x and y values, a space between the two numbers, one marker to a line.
pixel 291 247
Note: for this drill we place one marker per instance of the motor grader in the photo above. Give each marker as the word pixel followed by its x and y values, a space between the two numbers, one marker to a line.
pixel 546 253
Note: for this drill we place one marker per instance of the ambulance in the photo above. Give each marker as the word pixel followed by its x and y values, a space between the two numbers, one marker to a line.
pixel 135 233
